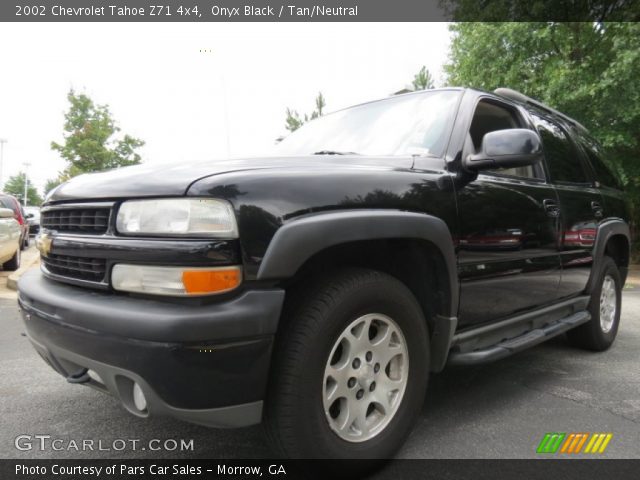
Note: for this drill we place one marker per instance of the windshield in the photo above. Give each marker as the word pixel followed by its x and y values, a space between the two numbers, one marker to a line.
pixel 403 125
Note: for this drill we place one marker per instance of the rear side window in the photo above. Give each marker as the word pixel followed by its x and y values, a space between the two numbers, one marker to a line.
pixel 6 202
pixel 595 154
pixel 563 160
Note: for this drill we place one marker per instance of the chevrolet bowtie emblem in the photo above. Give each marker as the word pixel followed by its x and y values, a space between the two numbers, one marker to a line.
pixel 44 243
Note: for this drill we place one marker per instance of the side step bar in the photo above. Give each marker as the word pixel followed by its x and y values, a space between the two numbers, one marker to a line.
pixel 513 345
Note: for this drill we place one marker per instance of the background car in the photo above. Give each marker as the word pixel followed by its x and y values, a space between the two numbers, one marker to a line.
pixel 10 238
pixel 33 219
pixel 8 201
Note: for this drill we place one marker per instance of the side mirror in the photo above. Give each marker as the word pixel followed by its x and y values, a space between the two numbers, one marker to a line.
pixel 517 147
pixel 6 213
pixel 29 215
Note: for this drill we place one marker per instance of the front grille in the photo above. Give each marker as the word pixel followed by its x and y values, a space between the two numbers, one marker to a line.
pixel 77 220
pixel 79 268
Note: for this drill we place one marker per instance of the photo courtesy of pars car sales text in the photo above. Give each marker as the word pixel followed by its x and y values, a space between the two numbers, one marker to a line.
pixel 319 239
pixel 152 469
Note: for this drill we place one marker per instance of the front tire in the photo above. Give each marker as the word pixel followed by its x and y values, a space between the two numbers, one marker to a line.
pixel 600 332
pixel 350 369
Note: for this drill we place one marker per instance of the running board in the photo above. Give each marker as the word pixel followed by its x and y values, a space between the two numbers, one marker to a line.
pixel 513 345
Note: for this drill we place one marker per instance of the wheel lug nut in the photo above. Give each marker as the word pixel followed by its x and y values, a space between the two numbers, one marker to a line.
pixel 376 367
pixel 369 356
pixel 356 363
pixel 372 387
pixel 351 382
pixel 360 394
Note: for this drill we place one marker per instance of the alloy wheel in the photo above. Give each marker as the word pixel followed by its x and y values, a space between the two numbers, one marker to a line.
pixel 365 377
pixel 608 303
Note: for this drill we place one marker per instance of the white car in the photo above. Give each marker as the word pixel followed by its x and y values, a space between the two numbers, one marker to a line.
pixel 32 216
pixel 9 240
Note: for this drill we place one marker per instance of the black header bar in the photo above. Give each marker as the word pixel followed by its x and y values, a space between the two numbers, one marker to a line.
pixel 316 10
pixel 114 469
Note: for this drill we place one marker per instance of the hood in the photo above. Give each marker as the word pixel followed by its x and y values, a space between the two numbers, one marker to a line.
pixel 174 179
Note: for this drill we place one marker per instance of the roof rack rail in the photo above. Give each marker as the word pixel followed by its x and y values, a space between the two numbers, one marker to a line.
pixel 522 98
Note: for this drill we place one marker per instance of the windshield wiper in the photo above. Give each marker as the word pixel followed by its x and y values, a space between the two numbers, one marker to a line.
pixel 333 152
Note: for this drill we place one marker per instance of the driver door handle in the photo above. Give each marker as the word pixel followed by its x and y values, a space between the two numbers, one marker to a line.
pixel 597 209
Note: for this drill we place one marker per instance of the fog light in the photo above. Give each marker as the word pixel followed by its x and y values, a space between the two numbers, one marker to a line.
pixel 176 281
pixel 139 399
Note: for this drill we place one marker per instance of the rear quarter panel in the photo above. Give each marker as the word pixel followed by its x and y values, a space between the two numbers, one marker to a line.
pixel 616 204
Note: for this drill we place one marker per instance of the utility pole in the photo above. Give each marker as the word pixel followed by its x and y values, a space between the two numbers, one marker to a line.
pixel 2 142
pixel 26 184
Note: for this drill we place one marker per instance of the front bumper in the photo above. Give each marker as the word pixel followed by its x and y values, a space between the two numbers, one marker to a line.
pixel 203 363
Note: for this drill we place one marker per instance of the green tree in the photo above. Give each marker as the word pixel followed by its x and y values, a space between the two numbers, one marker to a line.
pixel 294 121
pixel 588 70
pixel 15 187
pixel 53 183
pixel 320 104
pixel 540 10
pixel 423 80
pixel 91 140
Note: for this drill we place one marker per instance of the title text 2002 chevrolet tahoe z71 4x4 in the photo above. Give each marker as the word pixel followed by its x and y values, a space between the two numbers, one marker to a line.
pixel 316 289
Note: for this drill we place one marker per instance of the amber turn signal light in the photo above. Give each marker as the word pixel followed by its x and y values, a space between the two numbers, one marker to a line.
pixel 175 281
pixel 202 282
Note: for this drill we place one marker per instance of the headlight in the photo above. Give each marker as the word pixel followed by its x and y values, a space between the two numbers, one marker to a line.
pixel 178 216
pixel 175 281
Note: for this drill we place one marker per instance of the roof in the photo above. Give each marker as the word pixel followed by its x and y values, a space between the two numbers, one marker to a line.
pixel 523 99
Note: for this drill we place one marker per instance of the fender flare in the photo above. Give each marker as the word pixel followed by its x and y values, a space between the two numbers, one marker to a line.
pixel 297 241
pixel 606 230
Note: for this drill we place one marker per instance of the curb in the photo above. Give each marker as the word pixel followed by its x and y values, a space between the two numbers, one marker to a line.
pixel 12 280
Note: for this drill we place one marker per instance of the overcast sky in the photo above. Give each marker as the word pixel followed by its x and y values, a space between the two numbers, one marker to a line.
pixel 189 105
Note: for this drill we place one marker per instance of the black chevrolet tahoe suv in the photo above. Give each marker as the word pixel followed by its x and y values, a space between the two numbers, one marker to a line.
pixel 317 288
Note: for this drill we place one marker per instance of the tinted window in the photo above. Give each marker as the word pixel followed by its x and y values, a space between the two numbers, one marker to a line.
pixel 5 202
pixel 563 160
pixel 595 154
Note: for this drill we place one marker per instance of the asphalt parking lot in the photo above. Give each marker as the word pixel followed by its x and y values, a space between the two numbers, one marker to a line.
pixel 500 410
